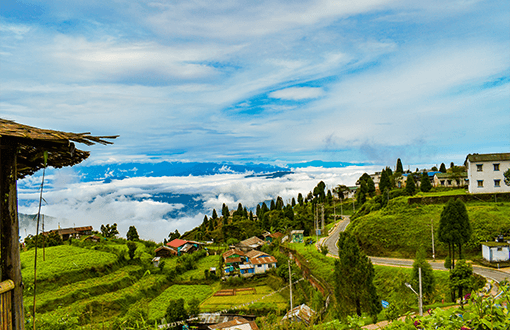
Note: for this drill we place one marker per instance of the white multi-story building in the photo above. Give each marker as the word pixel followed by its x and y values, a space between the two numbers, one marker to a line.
pixel 485 172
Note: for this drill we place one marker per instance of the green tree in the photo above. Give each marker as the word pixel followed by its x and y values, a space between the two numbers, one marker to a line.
pixel 240 210
pixel 461 278
pixel 361 193
pixel 354 275
pixel 131 249
pixel 132 234
pixel 425 184
pixel 454 227
pixel 427 274
pixel 214 214
pixel 109 231
pixel 442 168
pixel 225 212
pixel 370 187
pixel 507 177
pixel 300 199
pixel 174 235
pixel 410 185
pixel 318 191
pixel 385 182
pixel 193 307
pixel 399 169
pixel 176 311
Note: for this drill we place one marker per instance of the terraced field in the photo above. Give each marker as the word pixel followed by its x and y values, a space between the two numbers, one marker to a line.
pixel 84 287
pixel 216 303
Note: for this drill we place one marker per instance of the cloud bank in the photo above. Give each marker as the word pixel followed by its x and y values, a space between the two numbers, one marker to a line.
pixel 158 205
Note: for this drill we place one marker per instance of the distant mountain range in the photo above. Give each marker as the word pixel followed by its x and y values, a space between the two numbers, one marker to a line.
pixel 110 172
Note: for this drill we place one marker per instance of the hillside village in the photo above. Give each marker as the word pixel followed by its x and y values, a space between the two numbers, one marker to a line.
pixel 235 270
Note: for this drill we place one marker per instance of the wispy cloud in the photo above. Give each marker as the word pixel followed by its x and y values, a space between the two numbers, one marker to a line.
pixel 297 93
pixel 266 81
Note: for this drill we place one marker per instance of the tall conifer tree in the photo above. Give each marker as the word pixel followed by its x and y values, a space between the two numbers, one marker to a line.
pixel 354 276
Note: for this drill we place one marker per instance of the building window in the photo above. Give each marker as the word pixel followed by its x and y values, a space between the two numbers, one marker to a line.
pixel 442 182
pixel 480 183
pixel 497 183
pixel 479 167
pixel 449 182
pixel 496 167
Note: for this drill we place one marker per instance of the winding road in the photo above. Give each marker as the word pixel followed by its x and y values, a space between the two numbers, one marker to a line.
pixel 330 242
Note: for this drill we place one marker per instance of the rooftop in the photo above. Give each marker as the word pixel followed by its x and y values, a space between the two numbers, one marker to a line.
pixel 488 157
pixel 32 142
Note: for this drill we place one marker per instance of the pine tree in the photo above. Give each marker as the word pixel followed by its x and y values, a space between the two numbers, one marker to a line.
pixel 454 227
pixel 354 276
pixel 385 182
pixel 410 185
pixel 132 234
pixel 362 193
pixel 214 214
pixel 442 168
pixel 370 187
pixel 300 199
pixel 425 184
pixel 399 169
pixel 225 212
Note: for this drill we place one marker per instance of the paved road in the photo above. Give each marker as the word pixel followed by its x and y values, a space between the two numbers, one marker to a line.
pixel 331 240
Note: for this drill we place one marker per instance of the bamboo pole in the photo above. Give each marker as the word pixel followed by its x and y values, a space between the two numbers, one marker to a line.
pixel 10 264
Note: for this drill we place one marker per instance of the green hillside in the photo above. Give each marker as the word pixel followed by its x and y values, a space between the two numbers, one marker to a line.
pixel 401 227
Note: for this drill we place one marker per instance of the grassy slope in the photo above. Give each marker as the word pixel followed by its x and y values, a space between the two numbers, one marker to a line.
pixel 91 286
pixel 225 302
pixel 411 224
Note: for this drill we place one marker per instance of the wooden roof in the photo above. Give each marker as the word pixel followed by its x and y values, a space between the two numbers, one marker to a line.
pixel 32 142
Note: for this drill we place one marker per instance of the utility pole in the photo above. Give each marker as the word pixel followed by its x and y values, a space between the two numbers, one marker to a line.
pixel 290 284
pixel 432 230
pixel 322 219
pixel 341 207
pixel 420 303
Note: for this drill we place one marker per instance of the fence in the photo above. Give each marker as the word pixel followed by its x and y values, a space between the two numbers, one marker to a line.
pixel 318 283
pixel 6 305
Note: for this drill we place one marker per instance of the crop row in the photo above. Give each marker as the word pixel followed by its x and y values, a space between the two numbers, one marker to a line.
pixel 69 293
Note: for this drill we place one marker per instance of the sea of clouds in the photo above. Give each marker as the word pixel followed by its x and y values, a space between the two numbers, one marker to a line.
pixel 159 205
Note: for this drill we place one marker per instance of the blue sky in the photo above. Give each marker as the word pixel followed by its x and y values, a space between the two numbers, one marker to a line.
pixel 266 81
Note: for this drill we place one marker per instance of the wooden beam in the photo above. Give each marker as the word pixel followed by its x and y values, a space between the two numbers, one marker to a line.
pixel 10 266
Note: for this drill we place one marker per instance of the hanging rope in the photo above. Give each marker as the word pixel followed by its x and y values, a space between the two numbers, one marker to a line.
pixel 37 234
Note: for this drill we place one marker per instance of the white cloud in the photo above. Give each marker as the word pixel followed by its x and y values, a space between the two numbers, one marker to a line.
pixel 297 93
pixel 121 202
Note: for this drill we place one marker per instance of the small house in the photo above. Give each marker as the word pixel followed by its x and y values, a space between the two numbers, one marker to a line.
pixel 297 236
pixel 183 246
pixel 450 180
pixel 263 263
pixel 238 323
pixel 233 254
pixel 93 238
pixel 73 232
pixel 165 252
pixel 251 243
pixel 269 238
pixel 301 313
pixel 497 251
pixel 247 270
